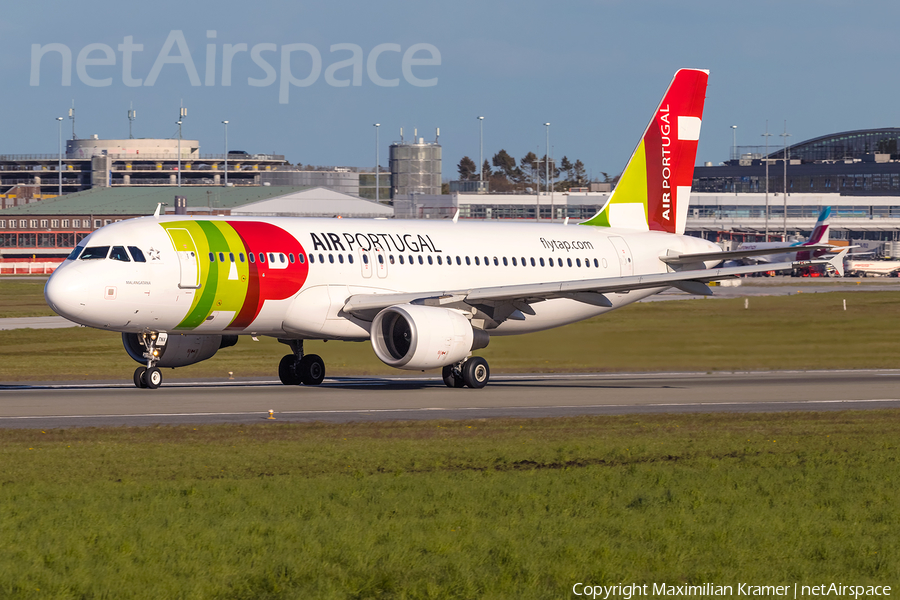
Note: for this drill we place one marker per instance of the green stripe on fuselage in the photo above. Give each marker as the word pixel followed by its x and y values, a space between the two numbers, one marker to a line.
pixel 218 292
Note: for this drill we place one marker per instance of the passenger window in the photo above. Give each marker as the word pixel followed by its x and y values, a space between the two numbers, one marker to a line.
pixel 282 258
pixel 380 259
pixel 439 260
pixel 95 252
pixel 312 258
pixel 271 257
pixel 532 261
pixel 365 259
pixel 525 265
pixel 350 258
pixel 321 258
pixel 231 256
pixel 542 261
pixel 251 256
pixel 429 260
pixel 331 258
pixel 421 262
pixel 458 262
pixel 569 261
pixel 118 253
pixel 505 264
pixel 221 257
pixel 467 261
pixel 262 257
pixel 486 261
pixel 300 258
pixel 513 261
pixel 477 261
pixel 341 258
pixel 596 264
pixel 212 257
pixel 136 254
pixel 401 259
pixel 578 262
pixel 391 258
pixel 291 257
pixel 550 260
pixel 241 256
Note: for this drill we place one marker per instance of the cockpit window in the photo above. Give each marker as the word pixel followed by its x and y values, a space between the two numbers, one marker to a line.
pixel 136 254
pixel 75 252
pixel 92 252
pixel 118 253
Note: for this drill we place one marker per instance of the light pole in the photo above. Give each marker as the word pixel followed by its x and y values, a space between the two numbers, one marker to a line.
pixel 785 136
pixel 377 179
pixel 481 153
pixel 734 142
pixel 182 113
pixel 225 123
pixel 767 135
pixel 547 169
pixel 59 120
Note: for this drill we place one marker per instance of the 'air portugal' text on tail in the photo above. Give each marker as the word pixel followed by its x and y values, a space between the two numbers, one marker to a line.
pixel 655 188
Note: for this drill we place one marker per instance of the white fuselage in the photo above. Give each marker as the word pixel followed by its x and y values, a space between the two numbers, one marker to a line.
pixel 197 275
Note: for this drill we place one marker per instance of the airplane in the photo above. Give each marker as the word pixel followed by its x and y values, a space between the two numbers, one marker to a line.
pixel 426 293
pixel 815 246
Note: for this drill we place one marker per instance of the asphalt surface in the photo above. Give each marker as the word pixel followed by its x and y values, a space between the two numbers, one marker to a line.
pixel 67 405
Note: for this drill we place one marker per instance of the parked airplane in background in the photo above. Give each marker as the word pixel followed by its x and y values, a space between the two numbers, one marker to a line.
pixel 818 240
pixel 425 293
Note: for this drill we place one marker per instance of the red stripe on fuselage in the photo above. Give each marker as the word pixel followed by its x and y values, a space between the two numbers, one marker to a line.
pixel 263 282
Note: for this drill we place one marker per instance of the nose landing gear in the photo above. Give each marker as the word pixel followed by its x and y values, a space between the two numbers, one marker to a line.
pixel 150 376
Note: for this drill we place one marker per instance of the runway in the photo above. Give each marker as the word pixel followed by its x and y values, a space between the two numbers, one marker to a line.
pixel 418 398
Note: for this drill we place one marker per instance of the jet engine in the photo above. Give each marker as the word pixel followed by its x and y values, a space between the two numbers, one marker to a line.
pixel 416 337
pixel 179 350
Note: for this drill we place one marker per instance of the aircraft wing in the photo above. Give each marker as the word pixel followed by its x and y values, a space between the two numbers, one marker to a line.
pixel 682 259
pixel 499 303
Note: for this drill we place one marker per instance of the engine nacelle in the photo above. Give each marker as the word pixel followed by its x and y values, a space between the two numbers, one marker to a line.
pixel 416 337
pixel 179 350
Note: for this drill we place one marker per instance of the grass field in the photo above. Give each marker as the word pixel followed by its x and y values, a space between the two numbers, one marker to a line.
pixel 478 509
pixel 802 331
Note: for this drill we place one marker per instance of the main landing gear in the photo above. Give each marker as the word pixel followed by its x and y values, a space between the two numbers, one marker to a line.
pixel 150 376
pixel 297 368
pixel 472 372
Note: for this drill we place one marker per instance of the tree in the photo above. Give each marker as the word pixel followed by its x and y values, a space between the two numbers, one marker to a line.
pixel 528 166
pixel 578 172
pixel 486 170
pixel 466 169
pixel 566 167
pixel 506 163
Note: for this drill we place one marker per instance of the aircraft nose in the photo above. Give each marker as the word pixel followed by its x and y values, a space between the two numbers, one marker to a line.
pixel 66 292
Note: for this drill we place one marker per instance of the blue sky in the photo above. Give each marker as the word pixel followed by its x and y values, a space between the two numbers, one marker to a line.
pixel 594 69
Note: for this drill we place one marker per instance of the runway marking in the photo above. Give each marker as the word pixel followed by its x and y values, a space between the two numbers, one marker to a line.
pixel 367 380
pixel 425 409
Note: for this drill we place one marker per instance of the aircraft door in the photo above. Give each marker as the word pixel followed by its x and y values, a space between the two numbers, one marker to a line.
pixel 365 263
pixel 623 252
pixel 187 258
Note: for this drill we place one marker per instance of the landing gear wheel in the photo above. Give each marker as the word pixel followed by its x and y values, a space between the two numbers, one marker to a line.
pixel 452 377
pixel 287 371
pixel 311 369
pixel 139 377
pixel 475 372
pixel 152 378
